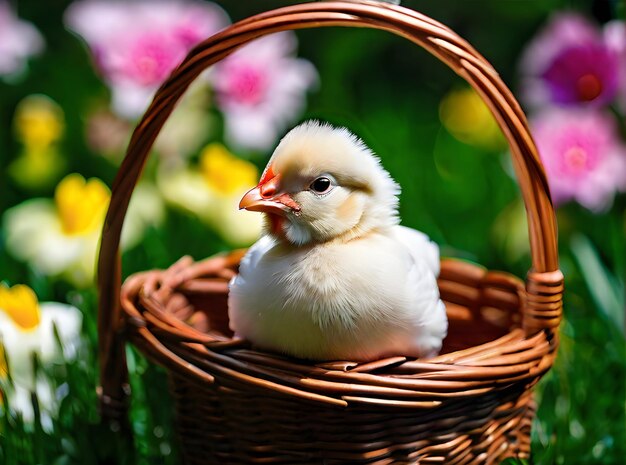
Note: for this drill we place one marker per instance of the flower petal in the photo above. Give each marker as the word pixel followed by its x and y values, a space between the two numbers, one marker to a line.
pixel 261 89
pixel 187 190
pixel 137 44
pixel 146 209
pixel 582 154
pixel 18 41
pixel 68 322
pixel 570 62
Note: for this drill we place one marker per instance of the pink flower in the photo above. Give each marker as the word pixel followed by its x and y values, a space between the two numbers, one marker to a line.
pixel 19 40
pixel 582 155
pixel 261 90
pixel 137 44
pixel 572 62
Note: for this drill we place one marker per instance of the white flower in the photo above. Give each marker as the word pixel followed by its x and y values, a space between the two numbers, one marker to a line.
pixel 189 126
pixel 212 192
pixel 184 133
pixel 19 40
pixel 146 210
pixel 60 237
pixel 27 328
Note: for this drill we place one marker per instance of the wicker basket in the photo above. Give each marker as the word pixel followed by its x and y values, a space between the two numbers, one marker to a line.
pixel 472 404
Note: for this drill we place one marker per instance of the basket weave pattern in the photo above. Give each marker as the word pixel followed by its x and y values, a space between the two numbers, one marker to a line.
pixel 470 405
pixel 245 406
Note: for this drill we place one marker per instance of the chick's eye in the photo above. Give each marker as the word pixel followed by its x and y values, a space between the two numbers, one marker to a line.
pixel 321 185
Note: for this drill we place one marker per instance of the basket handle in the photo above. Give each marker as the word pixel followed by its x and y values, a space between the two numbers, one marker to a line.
pixel 543 309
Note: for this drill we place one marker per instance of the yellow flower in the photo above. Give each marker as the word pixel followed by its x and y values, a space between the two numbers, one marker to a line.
pixel 26 328
pixel 60 237
pixel 212 192
pixel 81 204
pixel 38 122
pixel 37 169
pixel 510 232
pixel 224 172
pixel 20 304
pixel 466 116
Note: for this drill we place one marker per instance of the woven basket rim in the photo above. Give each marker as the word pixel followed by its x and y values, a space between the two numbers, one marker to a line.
pixel 401 382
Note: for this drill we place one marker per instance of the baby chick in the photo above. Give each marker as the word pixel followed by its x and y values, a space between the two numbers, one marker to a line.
pixel 335 277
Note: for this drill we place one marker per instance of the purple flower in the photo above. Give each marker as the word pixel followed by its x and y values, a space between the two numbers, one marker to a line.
pixel 137 44
pixel 261 90
pixel 19 40
pixel 571 62
pixel 582 154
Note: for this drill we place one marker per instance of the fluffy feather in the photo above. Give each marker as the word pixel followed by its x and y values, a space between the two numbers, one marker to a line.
pixel 337 277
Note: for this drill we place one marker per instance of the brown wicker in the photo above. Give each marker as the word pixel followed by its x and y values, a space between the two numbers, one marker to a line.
pixel 473 404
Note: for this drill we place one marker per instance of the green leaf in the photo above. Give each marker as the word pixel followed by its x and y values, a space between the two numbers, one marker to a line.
pixel 606 290
pixel 62 460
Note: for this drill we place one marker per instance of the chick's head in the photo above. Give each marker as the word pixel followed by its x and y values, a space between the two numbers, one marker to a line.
pixel 322 183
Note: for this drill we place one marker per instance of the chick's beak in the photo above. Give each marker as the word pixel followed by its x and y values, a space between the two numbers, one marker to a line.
pixel 266 198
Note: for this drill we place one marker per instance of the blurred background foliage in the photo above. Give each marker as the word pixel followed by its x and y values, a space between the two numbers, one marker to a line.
pixel 462 194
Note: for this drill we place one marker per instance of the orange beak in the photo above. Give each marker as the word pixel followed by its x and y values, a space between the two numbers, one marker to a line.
pixel 266 198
